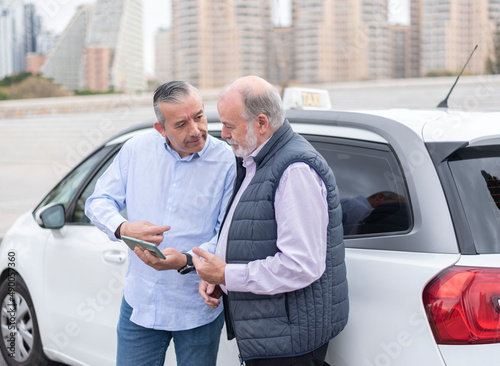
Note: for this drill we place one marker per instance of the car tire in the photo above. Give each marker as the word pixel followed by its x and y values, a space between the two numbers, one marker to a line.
pixel 21 344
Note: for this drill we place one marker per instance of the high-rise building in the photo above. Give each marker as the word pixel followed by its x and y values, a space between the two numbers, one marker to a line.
pixel 494 10
pixel 12 37
pixel 414 39
pixel 400 51
pixel 326 41
pixel 280 64
pixel 34 62
pixel 45 40
pixel 450 29
pixel 219 40
pixel 19 27
pixel 117 26
pixel 32 28
pixel 101 48
pixel 341 40
pixel 97 66
pixel 164 55
pixel 315 40
pixel 65 62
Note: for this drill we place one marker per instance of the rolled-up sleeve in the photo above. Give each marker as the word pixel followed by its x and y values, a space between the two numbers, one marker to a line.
pixel 104 205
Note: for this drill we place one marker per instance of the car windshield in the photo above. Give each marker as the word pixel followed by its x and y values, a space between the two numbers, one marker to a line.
pixel 476 172
pixel 63 192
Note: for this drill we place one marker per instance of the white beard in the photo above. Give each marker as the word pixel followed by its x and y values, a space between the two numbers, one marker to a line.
pixel 250 142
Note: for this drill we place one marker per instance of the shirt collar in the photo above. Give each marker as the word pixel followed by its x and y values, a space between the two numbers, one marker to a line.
pixel 198 154
pixel 250 158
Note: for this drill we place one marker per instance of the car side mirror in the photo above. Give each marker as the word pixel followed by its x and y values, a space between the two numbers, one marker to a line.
pixel 51 216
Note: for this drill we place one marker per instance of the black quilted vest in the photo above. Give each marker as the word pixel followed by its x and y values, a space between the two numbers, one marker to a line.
pixel 292 323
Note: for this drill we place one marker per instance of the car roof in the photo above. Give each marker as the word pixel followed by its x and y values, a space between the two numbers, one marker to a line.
pixel 448 125
pixel 430 125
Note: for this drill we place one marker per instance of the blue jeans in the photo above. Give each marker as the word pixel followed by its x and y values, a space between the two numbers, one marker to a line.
pixel 139 346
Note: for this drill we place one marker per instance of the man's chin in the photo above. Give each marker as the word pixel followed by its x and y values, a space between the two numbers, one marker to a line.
pixel 240 153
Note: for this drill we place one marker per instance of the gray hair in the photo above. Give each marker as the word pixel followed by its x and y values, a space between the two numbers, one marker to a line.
pixel 171 92
pixel 267 102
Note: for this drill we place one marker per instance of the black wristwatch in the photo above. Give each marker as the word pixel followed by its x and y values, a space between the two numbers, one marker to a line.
pixel 189 264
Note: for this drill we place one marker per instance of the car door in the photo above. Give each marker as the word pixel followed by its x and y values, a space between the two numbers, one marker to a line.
pixel 84 274
pixel 389 261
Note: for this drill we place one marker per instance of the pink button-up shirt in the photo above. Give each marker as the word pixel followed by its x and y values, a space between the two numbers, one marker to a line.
pixel 301 211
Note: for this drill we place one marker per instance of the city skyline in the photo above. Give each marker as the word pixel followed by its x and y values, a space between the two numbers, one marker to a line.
pixel 57 14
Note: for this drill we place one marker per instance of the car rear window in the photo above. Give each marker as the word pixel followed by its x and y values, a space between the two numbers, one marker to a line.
pixel 476 172
pixel 373 193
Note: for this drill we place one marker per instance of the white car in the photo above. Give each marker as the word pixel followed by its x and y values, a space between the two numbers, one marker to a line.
pixel 423 270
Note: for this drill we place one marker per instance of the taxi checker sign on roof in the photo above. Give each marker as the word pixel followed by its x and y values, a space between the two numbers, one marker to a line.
pixel 306 98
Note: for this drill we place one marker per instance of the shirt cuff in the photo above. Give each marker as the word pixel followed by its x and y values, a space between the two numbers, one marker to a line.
pixel 236 276
pixel 113 224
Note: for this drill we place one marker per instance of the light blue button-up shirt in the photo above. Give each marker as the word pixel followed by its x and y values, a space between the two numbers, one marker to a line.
pixel 190 194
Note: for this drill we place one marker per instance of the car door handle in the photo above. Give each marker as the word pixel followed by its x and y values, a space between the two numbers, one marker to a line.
pixel 115 256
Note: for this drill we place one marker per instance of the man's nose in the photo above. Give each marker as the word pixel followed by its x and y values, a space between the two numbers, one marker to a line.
pixel 193 128
pixel 224 134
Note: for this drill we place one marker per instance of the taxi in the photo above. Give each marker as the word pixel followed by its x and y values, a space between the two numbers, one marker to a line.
pixel 423 258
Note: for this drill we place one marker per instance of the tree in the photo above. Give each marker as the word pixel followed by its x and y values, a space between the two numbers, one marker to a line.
pixel 14 79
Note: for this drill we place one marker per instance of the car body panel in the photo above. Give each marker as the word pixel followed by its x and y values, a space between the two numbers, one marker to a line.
pixel 84 275
pixel 481 260
pixel 389 326
pixel 27 240
pixel 480 354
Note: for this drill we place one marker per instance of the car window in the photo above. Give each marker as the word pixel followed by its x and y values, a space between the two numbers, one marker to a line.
pixel 79 214
pixel 373 194
pixel 63 192
pixel 476 172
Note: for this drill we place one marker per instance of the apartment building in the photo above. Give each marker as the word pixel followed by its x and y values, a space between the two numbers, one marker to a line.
pixel 12 37
pixel 333 40
pixel 100 49
pixel 449 31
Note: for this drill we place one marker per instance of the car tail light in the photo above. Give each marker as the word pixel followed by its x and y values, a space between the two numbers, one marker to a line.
pixel 463 305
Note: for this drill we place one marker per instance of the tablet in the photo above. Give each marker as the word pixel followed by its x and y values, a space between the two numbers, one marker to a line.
pixel 144 245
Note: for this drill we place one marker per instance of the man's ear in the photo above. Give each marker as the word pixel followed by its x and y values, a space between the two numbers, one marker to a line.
pixel 158 127
pixel 262 124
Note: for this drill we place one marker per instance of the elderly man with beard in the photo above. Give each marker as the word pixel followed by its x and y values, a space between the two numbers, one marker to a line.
pixel 279 262
pixel 175 183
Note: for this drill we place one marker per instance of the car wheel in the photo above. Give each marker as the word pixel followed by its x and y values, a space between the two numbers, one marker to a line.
pixel 20 344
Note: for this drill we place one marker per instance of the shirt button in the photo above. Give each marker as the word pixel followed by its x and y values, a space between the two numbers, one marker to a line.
pixel 170 208
pixel 174 185
pixel 159 282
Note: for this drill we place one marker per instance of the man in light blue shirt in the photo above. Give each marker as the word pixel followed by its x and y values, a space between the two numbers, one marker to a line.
pixel 175 183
